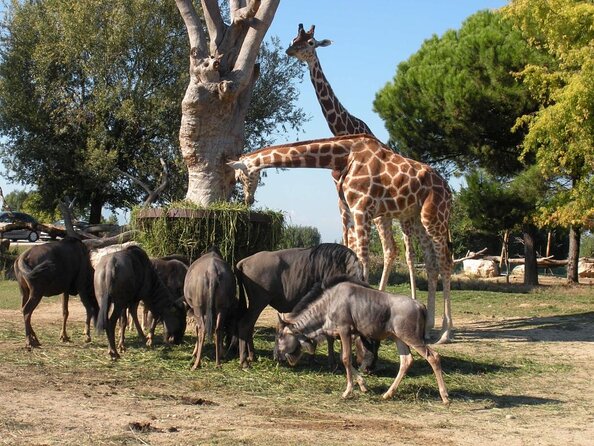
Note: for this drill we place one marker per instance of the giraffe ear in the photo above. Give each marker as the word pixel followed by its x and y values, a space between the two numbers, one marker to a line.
pixel 324 42
pixel 238 165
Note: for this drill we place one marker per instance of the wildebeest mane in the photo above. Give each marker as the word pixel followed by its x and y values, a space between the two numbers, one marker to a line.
pixel 325 260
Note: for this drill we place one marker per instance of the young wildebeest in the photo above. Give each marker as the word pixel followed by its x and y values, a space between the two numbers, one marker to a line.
pixel 124 278
pixel 209 290
pixel 281 278
pixel 344 307
pixel 172 271
pixel 54 268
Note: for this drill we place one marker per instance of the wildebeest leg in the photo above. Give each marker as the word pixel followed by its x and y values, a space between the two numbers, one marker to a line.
pixel 123 325
pixel 90 303
pixel 331 359
pixel 199 340
pixel 345 339
pixel 406 361
pixel 433 358
pixel 246 333
pixel 110 329
pixel 63 335
pixel 219 338
pixel 152 325
pixel 133 310
pixel 29 302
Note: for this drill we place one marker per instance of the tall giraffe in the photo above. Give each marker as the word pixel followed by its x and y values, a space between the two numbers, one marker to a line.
pixel 374 182
pixel 341 122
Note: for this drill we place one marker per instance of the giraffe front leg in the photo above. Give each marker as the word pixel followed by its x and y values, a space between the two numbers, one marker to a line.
pixel 407 232
pixel 362 226
pixel 384 230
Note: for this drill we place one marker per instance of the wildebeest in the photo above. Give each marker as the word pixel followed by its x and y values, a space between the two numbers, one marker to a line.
pixel 281 278
pixel 172 272
pixel 124 278
pixel 210 292
pixel 343 307
pixel 54 268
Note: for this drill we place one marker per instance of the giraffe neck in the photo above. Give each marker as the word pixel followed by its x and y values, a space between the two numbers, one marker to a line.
pixel 339 120
pixel 330 153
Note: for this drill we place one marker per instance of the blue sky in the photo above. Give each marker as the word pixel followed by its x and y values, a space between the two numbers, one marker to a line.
pixel 368 43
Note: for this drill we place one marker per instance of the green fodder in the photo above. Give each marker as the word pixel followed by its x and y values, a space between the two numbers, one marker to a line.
pixel 188 229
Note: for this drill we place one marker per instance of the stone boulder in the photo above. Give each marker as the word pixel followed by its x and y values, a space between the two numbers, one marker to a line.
pixel 585 269
pixel 480 268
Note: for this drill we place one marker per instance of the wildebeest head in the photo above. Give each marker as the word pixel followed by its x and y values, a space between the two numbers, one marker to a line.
pixel 290 344
pixel 174 323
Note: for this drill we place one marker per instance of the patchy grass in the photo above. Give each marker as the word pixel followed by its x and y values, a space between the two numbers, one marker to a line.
pixel 500 364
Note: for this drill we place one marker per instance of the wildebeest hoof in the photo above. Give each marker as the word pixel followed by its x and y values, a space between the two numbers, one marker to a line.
pixel 114 356
pixel 88 339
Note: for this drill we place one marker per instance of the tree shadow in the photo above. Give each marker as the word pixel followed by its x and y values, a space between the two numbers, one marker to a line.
pixel 563 328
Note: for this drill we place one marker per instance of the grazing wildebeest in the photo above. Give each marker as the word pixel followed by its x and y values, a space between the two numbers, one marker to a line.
pixel 210 292
pixel 281 278
pixel 172 271
pixel 54 268
pixel 124 278
pixel 343 307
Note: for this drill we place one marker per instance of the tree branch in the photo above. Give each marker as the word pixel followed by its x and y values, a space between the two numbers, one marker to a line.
pixel 193 26
pixel 152 194
pixel 214 23
pixel 246 12
pixel 4 205
pixel 234 5
pixel 244 65
pixel 66 206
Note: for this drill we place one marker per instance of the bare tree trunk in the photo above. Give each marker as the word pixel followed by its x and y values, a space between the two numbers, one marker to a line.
pixel 530 265
pixel 574 255
pixel 96 208
pixel 223 71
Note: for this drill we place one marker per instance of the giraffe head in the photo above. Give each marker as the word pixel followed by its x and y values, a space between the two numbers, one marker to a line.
pixel 303 47
pixel 248 177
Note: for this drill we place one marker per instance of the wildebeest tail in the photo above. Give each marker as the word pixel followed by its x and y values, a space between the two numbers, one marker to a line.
pixel 31 273
pixel 210 315
pixel 104 304
pixel 242 300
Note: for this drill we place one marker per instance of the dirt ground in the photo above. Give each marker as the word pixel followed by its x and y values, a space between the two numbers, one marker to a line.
pixel 38 407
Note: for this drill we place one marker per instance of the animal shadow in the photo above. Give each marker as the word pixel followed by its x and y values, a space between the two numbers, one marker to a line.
pixel 565 328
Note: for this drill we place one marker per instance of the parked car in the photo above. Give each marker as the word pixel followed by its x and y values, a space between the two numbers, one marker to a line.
pixel 77 224
pixel 19 234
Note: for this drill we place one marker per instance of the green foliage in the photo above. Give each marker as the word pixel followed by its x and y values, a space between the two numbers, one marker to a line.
pixel 561 133
pixel 299 237
pixel 15 199
pixel 92 86
pixel 89 87
pixel 587 245
pixel 34 204
pixel 233 228
pixel 273 101
pixel 454 102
